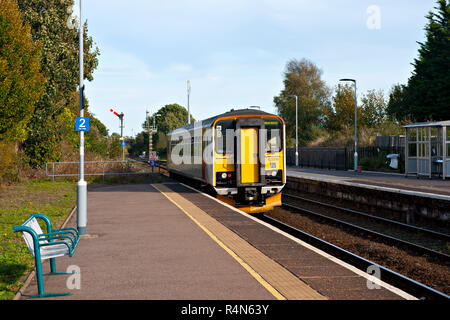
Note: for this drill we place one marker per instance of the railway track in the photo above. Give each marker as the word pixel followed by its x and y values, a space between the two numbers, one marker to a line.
pixel 396 279
pixel 409 285
pixel 412 238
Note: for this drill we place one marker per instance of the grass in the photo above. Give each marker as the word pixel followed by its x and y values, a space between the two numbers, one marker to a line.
pixel 17 202
pixel 55 199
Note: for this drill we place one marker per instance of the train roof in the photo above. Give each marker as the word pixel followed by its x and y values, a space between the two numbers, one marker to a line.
pixel 239 112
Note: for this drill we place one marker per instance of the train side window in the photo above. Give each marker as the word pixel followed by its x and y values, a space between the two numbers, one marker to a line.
pixel 274 129
pixel 222 129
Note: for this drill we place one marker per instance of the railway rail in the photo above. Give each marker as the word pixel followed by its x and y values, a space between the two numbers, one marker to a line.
pixel 405 283
pixel 419 240
pixel 409 285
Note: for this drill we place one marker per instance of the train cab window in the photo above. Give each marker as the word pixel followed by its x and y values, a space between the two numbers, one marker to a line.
pixel 224 144
pixel 274 129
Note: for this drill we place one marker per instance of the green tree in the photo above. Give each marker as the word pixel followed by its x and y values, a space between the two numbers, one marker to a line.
pixel 428 90
pixel 114 146
pixel 396 107
pixel 138 144
pixel 342 114
pixel 21 82
pixel 59 63
pixel 302 78
pixel 172 116
pixel 373 108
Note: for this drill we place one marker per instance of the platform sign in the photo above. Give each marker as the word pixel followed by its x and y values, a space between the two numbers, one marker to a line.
pixel 152 163
pixel 123 143
pixel 81 124
pixel 152 155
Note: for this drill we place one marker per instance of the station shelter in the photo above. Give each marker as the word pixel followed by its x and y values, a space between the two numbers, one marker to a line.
pixel 427 149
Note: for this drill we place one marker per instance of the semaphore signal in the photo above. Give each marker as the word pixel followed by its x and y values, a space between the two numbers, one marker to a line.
pixel 120 116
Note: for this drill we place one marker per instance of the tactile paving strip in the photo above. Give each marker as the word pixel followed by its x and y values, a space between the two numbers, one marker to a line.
pixel 285 284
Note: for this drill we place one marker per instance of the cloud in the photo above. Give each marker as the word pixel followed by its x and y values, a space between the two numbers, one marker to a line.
pixel 117 64
pixel 179 68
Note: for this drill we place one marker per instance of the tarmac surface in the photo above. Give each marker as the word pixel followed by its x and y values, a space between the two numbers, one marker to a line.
pixel 141 246
pixel 167 242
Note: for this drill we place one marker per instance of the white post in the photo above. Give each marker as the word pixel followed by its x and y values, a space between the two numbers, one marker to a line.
pixel 188 107
pixel 81 185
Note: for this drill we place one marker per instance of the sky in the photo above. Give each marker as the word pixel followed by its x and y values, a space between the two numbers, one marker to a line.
pixel 234 52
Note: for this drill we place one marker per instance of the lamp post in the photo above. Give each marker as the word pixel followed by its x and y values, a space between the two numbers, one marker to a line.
pixel 355 167
pixel 81 185
pixel 296 128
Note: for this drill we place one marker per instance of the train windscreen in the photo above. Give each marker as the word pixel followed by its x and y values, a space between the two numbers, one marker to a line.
pixel 274 129
pixel 224 143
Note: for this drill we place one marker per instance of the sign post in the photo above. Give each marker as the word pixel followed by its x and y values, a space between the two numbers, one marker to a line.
pixel 81 185
pixel 121 132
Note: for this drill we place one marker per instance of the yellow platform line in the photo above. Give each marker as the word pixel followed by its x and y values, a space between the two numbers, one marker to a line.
pixel 282 285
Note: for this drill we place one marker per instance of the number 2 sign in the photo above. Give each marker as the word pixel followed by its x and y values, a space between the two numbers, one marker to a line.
pixel 82 124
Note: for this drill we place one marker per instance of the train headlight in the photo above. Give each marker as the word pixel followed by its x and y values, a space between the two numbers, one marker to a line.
pixel 224 175
pixel 274 173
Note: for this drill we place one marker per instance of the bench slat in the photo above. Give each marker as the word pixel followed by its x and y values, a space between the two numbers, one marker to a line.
pixel 33 224
pixel 54 251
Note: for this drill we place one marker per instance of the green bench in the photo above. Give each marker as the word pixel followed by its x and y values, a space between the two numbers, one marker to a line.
pixel 55 243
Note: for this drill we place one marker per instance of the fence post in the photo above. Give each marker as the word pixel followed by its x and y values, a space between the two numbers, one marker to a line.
pixel 53 175
pixel 103 172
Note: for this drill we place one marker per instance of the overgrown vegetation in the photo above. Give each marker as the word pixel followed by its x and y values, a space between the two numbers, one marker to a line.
pixel 170 117
pixel 54 199
pixel 326 116
pixel 38 89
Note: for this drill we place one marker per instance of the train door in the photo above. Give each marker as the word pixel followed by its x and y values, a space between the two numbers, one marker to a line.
pixel 249 155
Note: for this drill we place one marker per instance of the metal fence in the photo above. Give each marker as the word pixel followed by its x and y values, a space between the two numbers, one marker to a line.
pixel 323 158
pixel 340 158
pixel 99 168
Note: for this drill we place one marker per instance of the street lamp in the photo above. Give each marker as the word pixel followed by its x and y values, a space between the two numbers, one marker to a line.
pixel 81 185
pixel 296 127
pixel 356 128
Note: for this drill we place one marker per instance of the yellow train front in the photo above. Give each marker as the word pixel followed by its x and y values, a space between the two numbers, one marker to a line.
pixel 239 154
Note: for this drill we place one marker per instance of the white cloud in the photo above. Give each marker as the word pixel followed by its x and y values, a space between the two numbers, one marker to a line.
pixel 179 68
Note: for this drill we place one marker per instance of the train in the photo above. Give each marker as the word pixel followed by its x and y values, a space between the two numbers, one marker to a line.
pixel 239 155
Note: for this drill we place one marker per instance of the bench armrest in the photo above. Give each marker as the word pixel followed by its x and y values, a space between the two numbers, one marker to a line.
pixel 47 237
pixel 58 232
pixel 68 229
pixel 56 243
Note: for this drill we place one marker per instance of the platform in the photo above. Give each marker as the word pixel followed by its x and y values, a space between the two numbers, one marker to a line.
pixel 167 241
pixel 424 187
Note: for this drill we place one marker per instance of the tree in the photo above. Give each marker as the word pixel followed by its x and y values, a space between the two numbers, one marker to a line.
pixel 428 89
pixel 21 82
pixel 302 78
pixel 172 116
pixel 59 63
pixel 396 107
pixel 373 108
pixel 342 114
